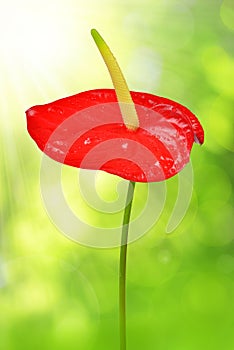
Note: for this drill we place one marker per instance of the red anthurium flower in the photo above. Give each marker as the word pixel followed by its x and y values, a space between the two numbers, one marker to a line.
pixel 135 135
pixel 166 133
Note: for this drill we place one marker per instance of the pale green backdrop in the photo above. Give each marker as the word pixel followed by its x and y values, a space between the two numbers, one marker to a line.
pixel 55 294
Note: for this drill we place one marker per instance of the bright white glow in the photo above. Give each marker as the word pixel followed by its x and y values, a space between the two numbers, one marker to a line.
pixel 38 42
pixel 30 34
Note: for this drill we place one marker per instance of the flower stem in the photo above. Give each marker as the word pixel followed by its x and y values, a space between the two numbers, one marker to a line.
pixel 122 266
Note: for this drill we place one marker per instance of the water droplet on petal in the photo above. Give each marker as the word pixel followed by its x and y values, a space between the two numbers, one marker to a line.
pixel 56 110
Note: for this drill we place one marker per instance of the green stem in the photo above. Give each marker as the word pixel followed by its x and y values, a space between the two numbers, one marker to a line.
pixel 122 266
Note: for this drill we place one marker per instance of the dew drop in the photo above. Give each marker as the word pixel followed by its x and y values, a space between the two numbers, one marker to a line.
pixel 31 112
pixel 56 110
pixel 125 145
pixel 87 141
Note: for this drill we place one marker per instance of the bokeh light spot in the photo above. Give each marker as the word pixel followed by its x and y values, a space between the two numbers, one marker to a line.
pixel 219 69
pixel 220 122
pixel 225 264
pixel 146 65
pixel 214 224
pixel 217 193
pixel 227 13
pixel 206 294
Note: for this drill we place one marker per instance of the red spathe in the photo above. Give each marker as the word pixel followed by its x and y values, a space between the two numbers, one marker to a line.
pixel 87 131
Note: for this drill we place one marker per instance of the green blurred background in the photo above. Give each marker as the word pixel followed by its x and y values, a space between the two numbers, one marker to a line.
pixel 55 294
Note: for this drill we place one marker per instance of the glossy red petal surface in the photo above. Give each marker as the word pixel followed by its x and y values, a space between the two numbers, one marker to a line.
pixel 86 131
